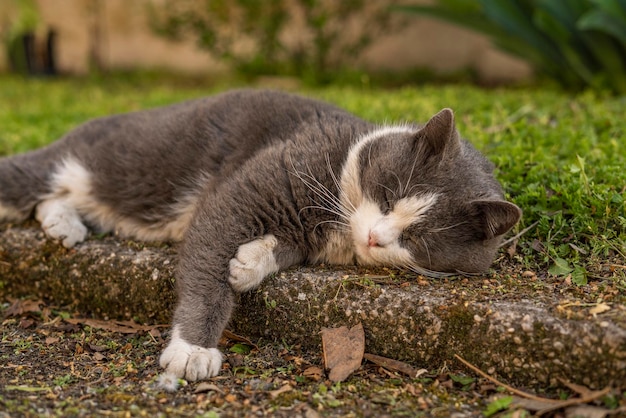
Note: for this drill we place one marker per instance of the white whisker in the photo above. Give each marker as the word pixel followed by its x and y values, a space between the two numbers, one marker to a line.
pixel 400 193
pixel 426 272
pixel 342 225
pixel 328 201
pixel 334 212
pixel 430 261
pixel 387 188
pixel 342 196
pixel 406 187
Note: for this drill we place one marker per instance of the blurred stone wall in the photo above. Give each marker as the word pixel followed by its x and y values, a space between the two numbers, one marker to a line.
pixel 114 34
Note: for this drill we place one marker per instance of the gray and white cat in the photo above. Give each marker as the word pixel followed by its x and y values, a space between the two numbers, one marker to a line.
pixel 253 182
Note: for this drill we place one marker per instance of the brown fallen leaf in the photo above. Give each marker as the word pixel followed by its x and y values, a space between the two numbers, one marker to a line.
pixel 285 388
pixel 394 365
pixel 587 411
pixel 579 389
pixel 51 340
pixel 599 308
pixel 313 372
pixel 26 323
pixel 343 350
pixel 99 356
pixel 208 387
pixel 19 307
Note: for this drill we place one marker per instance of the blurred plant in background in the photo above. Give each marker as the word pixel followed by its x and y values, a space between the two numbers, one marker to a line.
pixel 310 39
pixel 578 43
pixel 17 31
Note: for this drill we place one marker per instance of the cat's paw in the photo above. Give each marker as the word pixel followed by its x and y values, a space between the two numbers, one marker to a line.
pixel 253 262
pixel 61 222
pixel 191 362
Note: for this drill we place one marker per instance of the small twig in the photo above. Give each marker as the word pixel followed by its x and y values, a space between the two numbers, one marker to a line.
pixel 575 401
pixel 522 232
pixel 557 404
pixel 505 386
pixel 577 304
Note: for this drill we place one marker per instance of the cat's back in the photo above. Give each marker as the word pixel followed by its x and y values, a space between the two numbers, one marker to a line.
pixel 157 157
pixel 235 122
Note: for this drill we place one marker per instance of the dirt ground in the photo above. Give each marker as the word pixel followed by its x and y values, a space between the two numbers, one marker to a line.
pixel 54 363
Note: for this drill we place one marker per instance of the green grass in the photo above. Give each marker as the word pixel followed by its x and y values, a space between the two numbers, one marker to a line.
pixel 560 157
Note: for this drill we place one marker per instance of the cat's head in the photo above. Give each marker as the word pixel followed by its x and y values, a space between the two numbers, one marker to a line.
pixel 422 198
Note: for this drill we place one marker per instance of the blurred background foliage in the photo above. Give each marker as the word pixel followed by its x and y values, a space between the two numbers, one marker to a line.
pixel 577 43
pixel 310 39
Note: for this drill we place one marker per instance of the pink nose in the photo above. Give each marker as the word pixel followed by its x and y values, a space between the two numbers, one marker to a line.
pixel 373 241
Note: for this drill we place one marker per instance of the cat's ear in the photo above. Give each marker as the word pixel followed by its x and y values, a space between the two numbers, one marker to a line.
pixel 439 134
pixel 496 217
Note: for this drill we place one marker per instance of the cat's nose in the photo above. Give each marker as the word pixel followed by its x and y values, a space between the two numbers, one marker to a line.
pixel 373 240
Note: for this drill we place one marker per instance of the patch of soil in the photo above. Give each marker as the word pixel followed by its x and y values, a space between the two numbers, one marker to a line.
pixel 56 364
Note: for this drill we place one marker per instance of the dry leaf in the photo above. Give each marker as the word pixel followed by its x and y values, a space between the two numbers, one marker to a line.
pixel 599 308
pixel 18 307
pixel 313 372
pixel 394 365
pixel 26 323
pixel 96 347
pixel 343 350
pixel 208 387
pixel 532 404
pixel 51 340
pixel 285 388
pixel 311 413
pixel 579 389
pixel 587 411
pixel 512 249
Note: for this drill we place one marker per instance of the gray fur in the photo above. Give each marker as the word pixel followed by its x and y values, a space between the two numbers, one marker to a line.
pixel 262 162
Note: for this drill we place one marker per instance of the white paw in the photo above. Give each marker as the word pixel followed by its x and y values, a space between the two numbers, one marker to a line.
pixel 192 362
pixel 253 262
pixel 61 222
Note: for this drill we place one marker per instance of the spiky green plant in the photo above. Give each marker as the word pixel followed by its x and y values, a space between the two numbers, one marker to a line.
pixel 578 43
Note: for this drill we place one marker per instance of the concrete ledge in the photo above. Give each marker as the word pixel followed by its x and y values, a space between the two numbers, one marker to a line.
pixel 523 335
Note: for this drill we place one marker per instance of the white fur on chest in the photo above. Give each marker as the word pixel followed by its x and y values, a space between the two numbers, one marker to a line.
pixel 339 249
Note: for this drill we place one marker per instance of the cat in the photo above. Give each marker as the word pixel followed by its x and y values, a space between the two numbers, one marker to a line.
pixel 255 181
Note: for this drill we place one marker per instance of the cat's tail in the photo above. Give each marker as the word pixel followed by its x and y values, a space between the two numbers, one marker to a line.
pixel 24 181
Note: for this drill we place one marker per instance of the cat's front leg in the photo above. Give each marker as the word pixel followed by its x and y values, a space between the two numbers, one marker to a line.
pixel 261 257
pixel 254 261
pixel 182 359
pixel 205 304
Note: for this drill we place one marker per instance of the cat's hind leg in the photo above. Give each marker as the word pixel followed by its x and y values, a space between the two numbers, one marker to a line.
pixel 60 221
pixel 58 211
